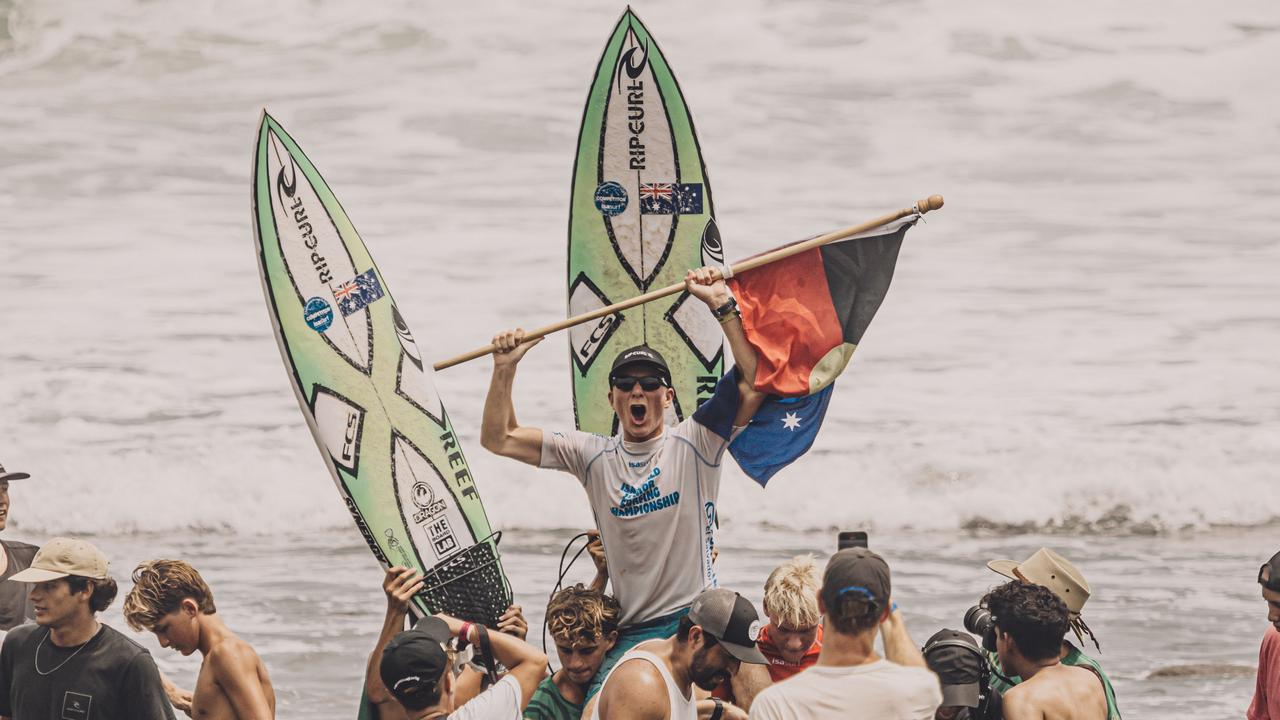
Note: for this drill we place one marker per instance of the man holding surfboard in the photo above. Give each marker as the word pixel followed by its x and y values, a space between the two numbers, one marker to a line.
pixel 652 489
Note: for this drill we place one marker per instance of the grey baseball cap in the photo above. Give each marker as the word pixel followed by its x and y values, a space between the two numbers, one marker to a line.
pixel 955 658
pixel 731 619
pixel 856 570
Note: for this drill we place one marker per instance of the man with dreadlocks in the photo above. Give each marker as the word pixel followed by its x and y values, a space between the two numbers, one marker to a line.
pixel 1049 569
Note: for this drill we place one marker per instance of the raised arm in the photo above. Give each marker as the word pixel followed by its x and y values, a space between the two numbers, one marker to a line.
pixel 400 585
pixel 595 548
pixel 898 647
pixel 499 431
pixel 523 661
pixel 706 284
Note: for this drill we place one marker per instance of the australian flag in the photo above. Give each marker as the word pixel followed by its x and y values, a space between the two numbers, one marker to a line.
pixel 670 198
pixel 358 293
pixel 781 431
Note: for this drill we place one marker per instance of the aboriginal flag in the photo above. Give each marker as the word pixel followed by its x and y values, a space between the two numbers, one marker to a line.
pixel 805 314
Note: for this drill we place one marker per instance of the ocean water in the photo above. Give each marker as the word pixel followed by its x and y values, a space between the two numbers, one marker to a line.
pixel 1078 351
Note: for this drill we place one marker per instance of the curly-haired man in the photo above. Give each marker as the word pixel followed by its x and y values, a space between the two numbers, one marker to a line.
pixel 584 626
pixel 1030 622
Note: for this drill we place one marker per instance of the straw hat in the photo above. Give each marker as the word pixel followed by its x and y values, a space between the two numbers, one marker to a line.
pixel 1051 570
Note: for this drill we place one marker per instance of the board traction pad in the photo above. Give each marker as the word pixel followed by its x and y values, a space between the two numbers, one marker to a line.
pixel 368 397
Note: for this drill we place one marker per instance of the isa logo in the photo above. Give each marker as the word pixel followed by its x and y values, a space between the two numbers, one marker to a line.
pixel 318 314
pixel 611 198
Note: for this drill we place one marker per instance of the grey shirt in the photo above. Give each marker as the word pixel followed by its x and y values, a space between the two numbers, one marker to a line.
pixel 655 505
pixel 15 607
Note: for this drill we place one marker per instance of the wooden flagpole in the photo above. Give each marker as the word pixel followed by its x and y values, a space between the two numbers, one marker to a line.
pixel 933 202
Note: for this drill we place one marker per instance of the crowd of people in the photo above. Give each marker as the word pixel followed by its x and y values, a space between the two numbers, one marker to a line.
pixel 645 640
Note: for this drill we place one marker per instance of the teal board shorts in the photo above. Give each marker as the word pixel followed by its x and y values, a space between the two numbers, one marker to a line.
pixel 632 635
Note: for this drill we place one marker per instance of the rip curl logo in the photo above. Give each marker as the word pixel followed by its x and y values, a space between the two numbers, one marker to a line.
pixel 75 706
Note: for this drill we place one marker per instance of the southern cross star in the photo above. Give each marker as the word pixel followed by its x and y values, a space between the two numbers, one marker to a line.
pixel 791 422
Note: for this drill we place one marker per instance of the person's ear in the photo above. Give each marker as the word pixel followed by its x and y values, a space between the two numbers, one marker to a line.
pixel 610 640
pixel 668 396
pixel 189 607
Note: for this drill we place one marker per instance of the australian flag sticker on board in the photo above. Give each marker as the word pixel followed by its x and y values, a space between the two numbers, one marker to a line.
pixel 358 293
pixel 671 198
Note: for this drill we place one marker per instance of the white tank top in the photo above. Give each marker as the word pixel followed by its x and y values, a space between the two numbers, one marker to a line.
pixel 682 708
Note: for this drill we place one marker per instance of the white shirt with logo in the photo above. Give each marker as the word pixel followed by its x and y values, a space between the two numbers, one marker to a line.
pixel 654 503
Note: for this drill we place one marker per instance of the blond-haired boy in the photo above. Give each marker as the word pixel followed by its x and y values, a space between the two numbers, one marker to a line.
pixel 170 599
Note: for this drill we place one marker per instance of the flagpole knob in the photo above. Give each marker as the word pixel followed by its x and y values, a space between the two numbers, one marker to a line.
pixel 933 202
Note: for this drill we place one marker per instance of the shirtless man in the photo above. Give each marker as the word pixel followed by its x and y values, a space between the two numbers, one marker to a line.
pixel 1030 622
pixel 656 679
pixel 170 599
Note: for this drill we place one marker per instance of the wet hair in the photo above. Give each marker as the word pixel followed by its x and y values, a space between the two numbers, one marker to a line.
pixel 159 587
pixel 682 633
pixel 579 614
pixel 104 591
pixel 1033 615
pixel 791 592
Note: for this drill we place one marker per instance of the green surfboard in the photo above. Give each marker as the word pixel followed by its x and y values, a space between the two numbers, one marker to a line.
pixel 640 217
pixel 368 397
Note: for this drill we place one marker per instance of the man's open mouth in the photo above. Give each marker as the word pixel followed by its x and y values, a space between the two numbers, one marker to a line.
pixel 638 411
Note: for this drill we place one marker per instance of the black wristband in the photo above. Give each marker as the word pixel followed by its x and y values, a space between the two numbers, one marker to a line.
pixel 719 711
pixel 723 311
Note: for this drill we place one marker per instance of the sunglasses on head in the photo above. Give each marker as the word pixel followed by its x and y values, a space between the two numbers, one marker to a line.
pixel 625 383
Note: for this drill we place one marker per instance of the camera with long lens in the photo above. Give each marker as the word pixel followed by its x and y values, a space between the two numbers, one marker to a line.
pixel 979 621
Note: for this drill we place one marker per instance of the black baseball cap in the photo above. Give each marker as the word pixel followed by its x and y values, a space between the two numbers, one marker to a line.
pixel 731 619
pixel 856 570
pixel 6 476
pixel 641 354
pixel 1272 582
pixel 955 658
pixel 415 660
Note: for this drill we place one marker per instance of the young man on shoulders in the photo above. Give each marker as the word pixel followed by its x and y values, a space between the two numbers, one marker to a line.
pixel 15 607
pixel 656 679
pixel 1030 622
pixel 584 626
pixel 652 490
pixel 68 665
pixel 850 680
pixel 170 599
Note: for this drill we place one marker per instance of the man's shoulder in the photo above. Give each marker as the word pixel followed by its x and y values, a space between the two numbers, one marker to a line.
pixel 231 653
pixel 21 550
pixel 120 644
pixel 21 635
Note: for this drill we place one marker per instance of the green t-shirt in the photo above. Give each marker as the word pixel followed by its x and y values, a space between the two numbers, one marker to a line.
pixel 1074 657
pixel 548 704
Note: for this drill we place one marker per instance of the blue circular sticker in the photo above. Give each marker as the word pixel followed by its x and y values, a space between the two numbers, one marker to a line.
pixel 611 198
pixel 318 314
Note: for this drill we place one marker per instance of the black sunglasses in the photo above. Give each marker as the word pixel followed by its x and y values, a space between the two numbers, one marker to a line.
pixel 648 384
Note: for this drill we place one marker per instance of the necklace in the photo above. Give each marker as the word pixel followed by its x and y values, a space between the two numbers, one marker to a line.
pixel 35 659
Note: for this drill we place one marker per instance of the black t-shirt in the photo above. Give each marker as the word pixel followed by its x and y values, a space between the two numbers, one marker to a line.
pixel 108 678
pixel 15 608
